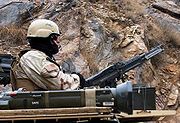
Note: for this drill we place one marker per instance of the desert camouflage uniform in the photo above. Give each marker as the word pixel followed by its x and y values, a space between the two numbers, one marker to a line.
pixel 35 72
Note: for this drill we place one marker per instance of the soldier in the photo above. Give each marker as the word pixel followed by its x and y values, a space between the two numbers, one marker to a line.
pixel 36 69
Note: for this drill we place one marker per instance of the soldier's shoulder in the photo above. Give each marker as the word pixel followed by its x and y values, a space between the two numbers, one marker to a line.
pixel 35 53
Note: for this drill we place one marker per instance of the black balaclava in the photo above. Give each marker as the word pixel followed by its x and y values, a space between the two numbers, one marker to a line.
pixel 46 45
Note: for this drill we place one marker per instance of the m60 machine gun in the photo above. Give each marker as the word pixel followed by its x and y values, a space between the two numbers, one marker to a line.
pixel 115 72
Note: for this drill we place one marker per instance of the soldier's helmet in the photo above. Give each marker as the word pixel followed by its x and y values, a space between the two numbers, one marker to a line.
pixel 42 28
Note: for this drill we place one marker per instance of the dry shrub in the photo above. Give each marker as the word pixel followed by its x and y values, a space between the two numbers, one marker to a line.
pixel 12 35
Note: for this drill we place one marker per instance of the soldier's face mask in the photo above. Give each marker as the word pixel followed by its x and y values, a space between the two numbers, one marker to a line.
pixel 47 45
pixel 55 44
pixel 55 38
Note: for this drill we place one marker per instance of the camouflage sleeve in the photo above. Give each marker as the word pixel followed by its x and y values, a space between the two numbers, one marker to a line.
pixel 56 77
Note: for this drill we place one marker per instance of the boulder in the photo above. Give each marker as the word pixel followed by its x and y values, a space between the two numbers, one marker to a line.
pixel 167 14
pixel 11 11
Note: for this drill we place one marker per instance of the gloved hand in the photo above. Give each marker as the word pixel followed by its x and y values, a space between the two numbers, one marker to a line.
pixel 82 80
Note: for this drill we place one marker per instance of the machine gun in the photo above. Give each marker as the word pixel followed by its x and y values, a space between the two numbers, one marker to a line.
pixel 110 75
pixel 5 67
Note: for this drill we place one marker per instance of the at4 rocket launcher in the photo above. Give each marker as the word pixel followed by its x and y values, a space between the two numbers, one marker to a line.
pixel 119 98
pixel 110 75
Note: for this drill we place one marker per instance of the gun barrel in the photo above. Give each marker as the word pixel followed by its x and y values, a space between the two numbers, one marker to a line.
pixel 154 52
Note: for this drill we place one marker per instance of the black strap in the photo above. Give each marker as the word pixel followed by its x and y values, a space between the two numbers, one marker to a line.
pixel 51 60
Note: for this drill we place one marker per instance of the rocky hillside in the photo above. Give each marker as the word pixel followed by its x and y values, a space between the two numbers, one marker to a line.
pixel 97 33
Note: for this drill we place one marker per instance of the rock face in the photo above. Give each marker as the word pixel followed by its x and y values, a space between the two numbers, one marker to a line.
pixel 168 15
pixel 96 34
pixel 11 11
